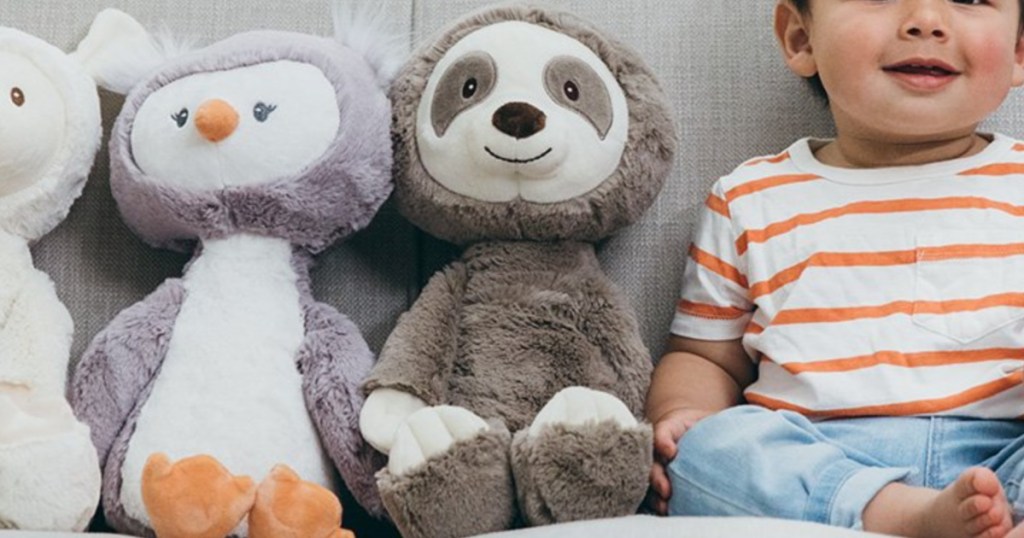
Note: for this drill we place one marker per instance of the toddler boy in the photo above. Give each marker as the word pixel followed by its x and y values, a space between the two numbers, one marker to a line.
pixel 863 295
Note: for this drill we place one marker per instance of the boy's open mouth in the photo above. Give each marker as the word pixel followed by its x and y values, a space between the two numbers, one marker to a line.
pixel 927 68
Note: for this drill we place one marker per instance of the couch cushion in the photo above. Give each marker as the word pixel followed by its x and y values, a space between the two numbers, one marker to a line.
pixel 683 527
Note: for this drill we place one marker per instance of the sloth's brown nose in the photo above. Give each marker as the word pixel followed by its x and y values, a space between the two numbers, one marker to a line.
pixel 519 120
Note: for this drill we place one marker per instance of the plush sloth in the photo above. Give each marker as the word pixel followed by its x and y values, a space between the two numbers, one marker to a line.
pixel 49 134
pixel 259 150
pixel 510 393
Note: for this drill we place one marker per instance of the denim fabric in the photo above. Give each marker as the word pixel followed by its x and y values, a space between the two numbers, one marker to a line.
pixel 752 461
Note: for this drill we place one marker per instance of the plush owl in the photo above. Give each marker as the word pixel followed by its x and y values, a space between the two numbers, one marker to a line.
pixel 510 393
pixel 256 151
pixel 49 134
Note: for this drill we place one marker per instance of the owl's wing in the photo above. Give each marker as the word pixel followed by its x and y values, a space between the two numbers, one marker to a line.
pixel 333 361
pixel 121 362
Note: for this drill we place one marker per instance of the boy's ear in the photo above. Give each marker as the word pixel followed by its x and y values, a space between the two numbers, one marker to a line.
pixel 1018 62
pixel 795 39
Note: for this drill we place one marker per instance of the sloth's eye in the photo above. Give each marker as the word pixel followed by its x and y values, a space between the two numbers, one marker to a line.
pixel 469 88
pixel 571 91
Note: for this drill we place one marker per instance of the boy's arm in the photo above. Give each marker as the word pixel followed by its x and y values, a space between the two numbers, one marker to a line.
pixel 694 379
pixel 700 375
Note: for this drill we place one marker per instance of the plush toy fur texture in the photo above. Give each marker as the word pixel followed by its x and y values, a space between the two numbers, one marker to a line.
pixel 620 200
pixel 112 379
pixel 523 313
pixel 49 483
pixel 333 197
pixel 49 476
pixel 499 332
pixel 32 212
pixel 116 375
pixel 485 497
pixel 336 196
pixel 505 327
pixel 595 485
pixel 35 327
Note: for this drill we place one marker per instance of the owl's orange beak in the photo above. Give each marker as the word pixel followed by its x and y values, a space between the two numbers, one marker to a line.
pixel 216 120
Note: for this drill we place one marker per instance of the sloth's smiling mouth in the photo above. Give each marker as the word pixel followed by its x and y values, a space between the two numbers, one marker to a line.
pixel 517 161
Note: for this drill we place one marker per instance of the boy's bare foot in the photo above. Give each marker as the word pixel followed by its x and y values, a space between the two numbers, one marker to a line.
pixel 973 506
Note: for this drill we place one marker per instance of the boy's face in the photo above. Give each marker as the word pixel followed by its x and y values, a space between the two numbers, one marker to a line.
pixel 907 69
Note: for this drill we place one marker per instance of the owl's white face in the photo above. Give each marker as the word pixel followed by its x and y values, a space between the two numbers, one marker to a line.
pixel 32 123
pixel 514 110
pixel 243 126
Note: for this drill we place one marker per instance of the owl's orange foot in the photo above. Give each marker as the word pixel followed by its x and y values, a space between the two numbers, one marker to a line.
pixel 289 507
pixel 195 497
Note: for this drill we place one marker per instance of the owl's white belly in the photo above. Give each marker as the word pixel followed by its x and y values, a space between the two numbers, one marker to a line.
pixel 229 386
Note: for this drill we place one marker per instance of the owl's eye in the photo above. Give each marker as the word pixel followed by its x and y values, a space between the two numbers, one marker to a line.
pixel 181 117
pixel 262 111
pixel 17 96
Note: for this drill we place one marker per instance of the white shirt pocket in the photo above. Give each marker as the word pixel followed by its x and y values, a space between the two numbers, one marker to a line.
pixel 968 283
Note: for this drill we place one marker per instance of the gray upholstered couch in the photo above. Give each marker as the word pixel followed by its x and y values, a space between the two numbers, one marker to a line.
pixel 717 60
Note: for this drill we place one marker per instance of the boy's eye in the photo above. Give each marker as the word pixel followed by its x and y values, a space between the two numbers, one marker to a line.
pixel 969 2
pixel 180 117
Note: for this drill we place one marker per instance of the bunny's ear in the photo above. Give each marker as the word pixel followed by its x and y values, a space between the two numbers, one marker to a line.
pixel 118 52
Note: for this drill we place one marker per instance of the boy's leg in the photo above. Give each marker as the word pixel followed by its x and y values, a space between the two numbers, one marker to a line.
pixel 973 505
pixel 752 461
pixel 1008 465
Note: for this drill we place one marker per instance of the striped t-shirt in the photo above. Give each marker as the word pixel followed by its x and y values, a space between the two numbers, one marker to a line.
pixel 887 291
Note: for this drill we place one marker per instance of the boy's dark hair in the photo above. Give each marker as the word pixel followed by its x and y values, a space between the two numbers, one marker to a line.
pixel 804 7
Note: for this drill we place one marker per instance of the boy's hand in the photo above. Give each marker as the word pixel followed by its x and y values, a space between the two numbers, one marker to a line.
pixel 667 431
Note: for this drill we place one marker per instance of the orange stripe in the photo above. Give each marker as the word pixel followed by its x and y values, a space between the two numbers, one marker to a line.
pixel 709 311
pixel 771 160
pixel 754 328
pixel 995 169
pixel 823 315
pixel 832 259
pixel 718 266
pixel 882 259
pixel 918 407
pixel 1018 147
pixel 903 360
pixel 955 252
pixel 718 205
pixel 766 183
pixel 873 207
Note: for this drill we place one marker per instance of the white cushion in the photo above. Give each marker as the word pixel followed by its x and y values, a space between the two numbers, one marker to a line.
pixel 683 527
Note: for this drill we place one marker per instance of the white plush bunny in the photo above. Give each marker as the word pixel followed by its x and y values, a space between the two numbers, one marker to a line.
pixel 49 134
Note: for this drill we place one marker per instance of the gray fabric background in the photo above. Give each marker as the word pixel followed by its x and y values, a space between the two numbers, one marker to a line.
pixel 717 60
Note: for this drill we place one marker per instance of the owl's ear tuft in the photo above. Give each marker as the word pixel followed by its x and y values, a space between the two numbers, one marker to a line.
pixel 368 31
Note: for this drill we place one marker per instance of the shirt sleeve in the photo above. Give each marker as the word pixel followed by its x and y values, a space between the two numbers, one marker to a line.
pixel 714 303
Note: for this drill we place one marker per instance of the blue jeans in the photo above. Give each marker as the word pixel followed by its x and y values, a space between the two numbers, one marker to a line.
pixel 752 461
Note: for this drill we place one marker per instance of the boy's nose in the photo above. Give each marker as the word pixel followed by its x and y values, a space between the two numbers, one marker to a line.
pixel 925 19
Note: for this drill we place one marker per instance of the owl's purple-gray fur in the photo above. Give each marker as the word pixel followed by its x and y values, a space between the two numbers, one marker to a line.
pixel 331 198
